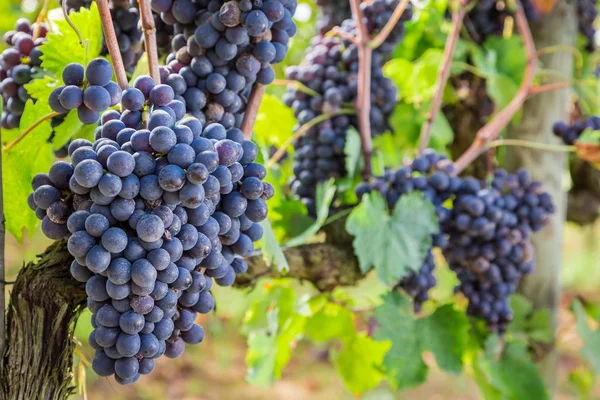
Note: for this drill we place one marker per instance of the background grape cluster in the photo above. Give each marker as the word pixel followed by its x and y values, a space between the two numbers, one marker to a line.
pixel 332 14
pixel 485 235
pixel 220 49
pixel 153 209
pixel 330 69
pixel 571 133
pixel 19 63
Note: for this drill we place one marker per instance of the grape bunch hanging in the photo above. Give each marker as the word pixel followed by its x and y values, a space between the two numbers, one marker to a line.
pixel 485 235
pixel 153 209
pixel 330 69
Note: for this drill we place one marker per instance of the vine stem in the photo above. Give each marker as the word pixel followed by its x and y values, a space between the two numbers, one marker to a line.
pixel 252 110
pixel 111 42
pixel 443 74
pixel 532 145
pixel 336 30
pixel 363 98
pixel 549 87
pixel 83 43
pixel 22 136
pixel 492 130
pixel 40 18
pixel 302 130
pixel 298 85
pixel 390 25
pixel 149 39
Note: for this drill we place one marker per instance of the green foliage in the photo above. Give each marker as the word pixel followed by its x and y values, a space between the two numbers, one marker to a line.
pixel 69 128
pixel 352 151
pixel 20 164
pixel 63 47
pixel 271 251
pixel 324 197
pixel 527 324
pixel 274 122
pixel 396 243
pixel 42 87
pixel 591 338
pixel 511 372
pixel 443 333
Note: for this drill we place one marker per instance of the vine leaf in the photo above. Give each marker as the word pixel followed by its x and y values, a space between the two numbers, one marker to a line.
pixel 42 87
pixel 394 244
pixel 359 362
pixel 31 156
pixel 71 127
pixel 274 123
pixel 332 321
pixel 271 251
pixel 591 338
pixel 352 151
pixel 514 374
pixel 62 46
pixel 443 333
pixel 324 197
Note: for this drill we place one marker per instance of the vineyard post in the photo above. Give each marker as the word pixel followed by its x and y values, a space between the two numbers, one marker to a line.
pixel 149 39
pixel 2 262
pixel 539 113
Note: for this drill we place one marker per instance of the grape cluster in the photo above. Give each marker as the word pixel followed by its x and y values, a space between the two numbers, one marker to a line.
pixel 89 90
pixel 220 49
pixel 18 64
pixel 433 175
pixel 170 204
pixel 489 240
pixel 333 13
pixel 330 69
pixel 571 133
pixel 587 12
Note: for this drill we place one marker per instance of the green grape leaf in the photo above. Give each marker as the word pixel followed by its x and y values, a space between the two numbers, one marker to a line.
pixel 359 363
pixel 403 363
pixel 332 321
pixel 324 197
pixel 274 122
pixel 509 54
pixel 590 338
pixel 20 164
pixel 62 46
pixel 514 374
pixel 271 251
pixel 444 333
pixel 66 130
pixel 393 244
pixel 290 217
pixel 352 151
pixel 42 87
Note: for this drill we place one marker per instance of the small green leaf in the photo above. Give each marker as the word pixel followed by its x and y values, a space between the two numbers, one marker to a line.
pixel 359 363
pixel 271 251
pixel 590 338
pixel 352 151
pixel 515 375
pixel 403 363
pixel 20 164
pixel 274 123
pixel 444 333
pixel 62 46
pixel 42 87
pixel 333 321
pixel 394 244
pixel 324 197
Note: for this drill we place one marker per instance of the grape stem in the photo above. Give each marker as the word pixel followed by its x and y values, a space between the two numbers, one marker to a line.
pixel 111 42
pixel 363 98
pixel 302 130
pixel 390 25
pixel 22 136
pixel 40 18
pixel 336 30
pixel 83 43
pixel 256 96
pixel 492 129
pixel 149 29
pixel 532 145
pixel 297 85
pixel 443 73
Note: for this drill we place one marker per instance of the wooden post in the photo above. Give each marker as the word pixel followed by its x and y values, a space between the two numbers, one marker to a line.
pixel 539 113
